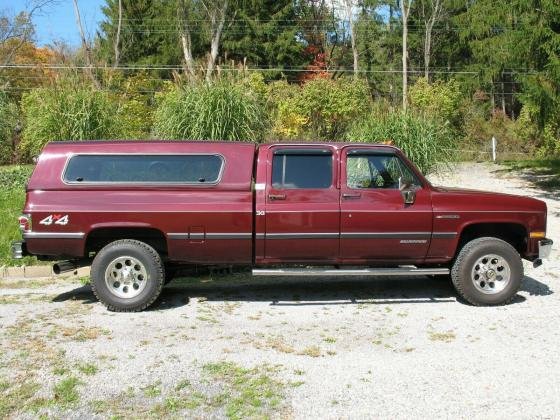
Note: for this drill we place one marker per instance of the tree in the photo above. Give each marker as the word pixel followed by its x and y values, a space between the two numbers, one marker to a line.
pixel 148 34
pixel 217 12
pixel 349 6
pixel 118 36
pixel 432 12
pixel 86 47
pixel 265 33
pixel 405 11
pixel 185 34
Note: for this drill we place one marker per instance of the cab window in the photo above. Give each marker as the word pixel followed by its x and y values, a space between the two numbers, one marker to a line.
pixel 382 171
pixel 302 169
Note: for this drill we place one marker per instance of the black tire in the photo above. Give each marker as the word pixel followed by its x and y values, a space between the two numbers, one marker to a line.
pixel 467 265
pixel 151 264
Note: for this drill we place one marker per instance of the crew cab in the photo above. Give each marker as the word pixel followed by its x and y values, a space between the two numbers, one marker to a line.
pixel 135 210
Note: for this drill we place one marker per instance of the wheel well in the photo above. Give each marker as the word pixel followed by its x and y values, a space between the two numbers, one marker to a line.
pixel 98 238
pixel 512 233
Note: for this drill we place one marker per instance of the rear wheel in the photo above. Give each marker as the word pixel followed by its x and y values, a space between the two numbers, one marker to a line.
pixel 487 271
pixel 127 275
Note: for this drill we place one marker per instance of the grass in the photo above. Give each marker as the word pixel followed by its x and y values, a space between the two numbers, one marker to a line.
pixel 246 393
pixel 65 392
pixel 546 170
pixel 88 368
pixel 12 199
pixel 446 337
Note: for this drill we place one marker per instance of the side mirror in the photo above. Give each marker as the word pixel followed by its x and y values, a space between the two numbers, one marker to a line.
pixel 403 184
pixel 408 196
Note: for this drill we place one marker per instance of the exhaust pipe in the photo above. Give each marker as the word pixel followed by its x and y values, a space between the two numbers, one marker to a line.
pixel 66 266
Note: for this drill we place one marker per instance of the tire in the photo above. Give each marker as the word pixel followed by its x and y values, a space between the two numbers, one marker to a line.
pixel 487 272
pixel 127 275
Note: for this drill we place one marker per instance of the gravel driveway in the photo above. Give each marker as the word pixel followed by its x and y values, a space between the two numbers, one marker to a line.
pixel 227 345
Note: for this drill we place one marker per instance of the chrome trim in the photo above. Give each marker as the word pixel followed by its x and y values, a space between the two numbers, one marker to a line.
pixel 545 247
pixel 200 236
pixel 385 235
pixel 448 216
pixel 444 235
pixel 401 271
pixel 320 235
pixel 134 183
pixel 229 235
pixel 54 235
pixel 178 235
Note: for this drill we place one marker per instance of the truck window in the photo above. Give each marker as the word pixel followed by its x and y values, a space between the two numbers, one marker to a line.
pixel 164 169
pixel 302 169
pixel 377 171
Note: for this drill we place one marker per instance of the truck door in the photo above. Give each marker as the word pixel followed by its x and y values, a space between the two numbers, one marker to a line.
pixel 376 224
pixel 302 205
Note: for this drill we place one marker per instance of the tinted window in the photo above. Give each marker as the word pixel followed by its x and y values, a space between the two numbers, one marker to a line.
pixel 144 168
pixel 296 169
pixel 377 171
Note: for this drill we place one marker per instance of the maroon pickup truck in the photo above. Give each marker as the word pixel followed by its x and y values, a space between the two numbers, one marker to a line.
pixel 137 210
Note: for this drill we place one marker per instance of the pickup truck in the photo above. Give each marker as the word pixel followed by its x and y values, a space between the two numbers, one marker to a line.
pixel 135 210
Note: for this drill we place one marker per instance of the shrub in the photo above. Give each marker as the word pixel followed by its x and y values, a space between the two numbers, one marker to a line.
pixel 321 109
pixel 427 142
pixel 8 122
pixel 220 111
pixel 438 100
pixel 513 136
pixel 15 177
pixel 66 112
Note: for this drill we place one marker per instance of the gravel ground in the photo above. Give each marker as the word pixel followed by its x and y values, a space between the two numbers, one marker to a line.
pixel 288 348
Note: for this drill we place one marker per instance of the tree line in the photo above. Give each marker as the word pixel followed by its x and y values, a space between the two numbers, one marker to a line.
pixel 493 65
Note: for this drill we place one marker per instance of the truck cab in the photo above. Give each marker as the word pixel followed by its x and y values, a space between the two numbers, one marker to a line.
pixel 135 209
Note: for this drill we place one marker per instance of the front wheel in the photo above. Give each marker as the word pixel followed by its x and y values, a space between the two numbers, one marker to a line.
pixel 487 271
pixel 127 275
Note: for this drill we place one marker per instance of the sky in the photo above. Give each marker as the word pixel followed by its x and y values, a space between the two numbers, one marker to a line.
pixel 57 21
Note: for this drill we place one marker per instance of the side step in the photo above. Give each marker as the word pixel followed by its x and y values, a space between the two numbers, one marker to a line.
pixel 399 271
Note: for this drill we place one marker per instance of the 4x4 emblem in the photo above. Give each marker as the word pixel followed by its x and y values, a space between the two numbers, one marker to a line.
pixel 57 219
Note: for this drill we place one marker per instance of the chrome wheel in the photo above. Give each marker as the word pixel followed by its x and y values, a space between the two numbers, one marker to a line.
pixel 126 277
pixel 491 274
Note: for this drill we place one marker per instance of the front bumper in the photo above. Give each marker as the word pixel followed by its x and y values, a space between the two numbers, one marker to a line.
pixel 19 250
pixel 545 247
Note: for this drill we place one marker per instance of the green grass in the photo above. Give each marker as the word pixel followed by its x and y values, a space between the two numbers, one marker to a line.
pixel 65 392
pixel 12 199
pixel 547 171
pixel 248 393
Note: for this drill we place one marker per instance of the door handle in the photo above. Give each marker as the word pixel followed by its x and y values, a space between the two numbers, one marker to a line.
pixel 350 196
pixel 277 196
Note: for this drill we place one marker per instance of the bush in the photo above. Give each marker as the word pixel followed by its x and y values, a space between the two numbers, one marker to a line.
pixel 513 137
pixel 220 111
pixel 322 109
pixel 66 112
pixel 438 100
pixel 15 177
pixel 8 122
pixel 427 142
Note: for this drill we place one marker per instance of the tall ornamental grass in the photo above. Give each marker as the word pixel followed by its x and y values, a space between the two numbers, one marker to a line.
pixel 66 113
pixel 8 120
pixel 220 111
pixel 428 143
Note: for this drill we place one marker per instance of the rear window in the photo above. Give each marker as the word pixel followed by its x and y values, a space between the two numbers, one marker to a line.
pixel 175 169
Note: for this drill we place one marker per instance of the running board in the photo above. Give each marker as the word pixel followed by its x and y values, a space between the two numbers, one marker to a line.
pixel 400 271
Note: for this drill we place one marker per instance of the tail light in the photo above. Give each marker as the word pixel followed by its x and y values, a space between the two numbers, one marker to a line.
pixel 25 223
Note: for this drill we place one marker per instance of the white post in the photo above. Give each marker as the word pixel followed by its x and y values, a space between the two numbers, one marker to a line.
pixel 493 148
